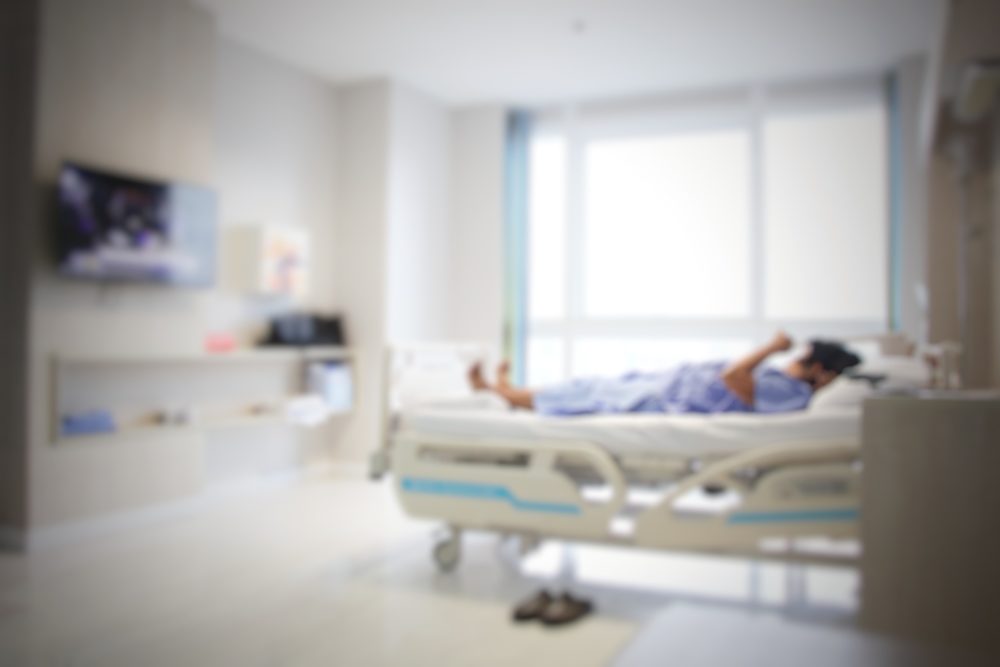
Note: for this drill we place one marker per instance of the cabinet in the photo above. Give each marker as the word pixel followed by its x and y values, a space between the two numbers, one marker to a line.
pixel 931 517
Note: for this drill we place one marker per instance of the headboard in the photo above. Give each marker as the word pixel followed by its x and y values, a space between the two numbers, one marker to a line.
pixel 419 373
pixel 430 372
pixel 890 344
pixel 943 359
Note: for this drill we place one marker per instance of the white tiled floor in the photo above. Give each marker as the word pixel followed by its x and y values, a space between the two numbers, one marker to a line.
pixel 331 573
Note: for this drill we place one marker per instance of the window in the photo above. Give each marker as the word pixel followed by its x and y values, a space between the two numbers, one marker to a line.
pixel 825 209
pixel 648 202
pixel 674 232
pixel 547 239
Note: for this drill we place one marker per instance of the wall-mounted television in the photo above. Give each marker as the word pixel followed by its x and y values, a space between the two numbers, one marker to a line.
pixel 114 227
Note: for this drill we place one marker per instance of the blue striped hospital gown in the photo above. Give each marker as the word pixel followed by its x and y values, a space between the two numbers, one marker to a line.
pixel 689 388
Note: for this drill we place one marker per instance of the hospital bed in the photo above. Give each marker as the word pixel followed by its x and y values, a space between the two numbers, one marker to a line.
pixel 764 486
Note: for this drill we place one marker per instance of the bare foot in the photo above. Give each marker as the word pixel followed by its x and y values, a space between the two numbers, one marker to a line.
pixel 503 374
pixel 476 379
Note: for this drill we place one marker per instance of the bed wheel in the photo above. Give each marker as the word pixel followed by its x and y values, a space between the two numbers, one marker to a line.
pixel 448 552
pixel 378 465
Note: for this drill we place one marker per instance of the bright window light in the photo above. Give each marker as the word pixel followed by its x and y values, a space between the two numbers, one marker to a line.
pixel 612 356
pixel 547 239
pixel 546 364
pixel 826 215
pixel 667 225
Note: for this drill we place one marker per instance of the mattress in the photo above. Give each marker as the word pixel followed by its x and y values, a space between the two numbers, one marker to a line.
pixel 634 434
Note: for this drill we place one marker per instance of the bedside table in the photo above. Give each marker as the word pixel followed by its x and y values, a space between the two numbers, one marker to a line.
pixel 930 525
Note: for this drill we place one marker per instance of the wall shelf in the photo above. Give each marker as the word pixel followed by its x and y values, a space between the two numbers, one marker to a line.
pixel 246 355
pixel 74 376
pixel 177 429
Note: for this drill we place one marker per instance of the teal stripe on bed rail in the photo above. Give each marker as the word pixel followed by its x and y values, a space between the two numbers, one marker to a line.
pixel 475 491
pixel 791 516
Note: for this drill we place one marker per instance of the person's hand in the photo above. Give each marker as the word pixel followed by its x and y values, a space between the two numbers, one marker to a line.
pixel 781 342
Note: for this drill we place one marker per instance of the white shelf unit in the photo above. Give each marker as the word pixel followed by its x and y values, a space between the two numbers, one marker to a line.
pixel 206 417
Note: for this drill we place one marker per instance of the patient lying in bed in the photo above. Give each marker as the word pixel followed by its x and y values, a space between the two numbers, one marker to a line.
pixel 744 385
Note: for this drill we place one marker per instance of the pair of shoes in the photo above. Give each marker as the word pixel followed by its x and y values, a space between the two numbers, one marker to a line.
pixel 552 610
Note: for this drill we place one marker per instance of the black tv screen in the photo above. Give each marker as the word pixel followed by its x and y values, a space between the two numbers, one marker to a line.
pixel 114 227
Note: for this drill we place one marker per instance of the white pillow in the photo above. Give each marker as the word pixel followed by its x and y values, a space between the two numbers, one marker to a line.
pixel 841 393
pixel 900 372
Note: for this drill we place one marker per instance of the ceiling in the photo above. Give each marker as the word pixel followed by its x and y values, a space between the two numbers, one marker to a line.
pixel 549 51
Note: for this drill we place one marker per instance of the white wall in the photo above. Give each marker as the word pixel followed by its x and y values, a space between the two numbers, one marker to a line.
pixel 420 254
pixel 419 238
pixel 477 206
pixel 359 258
pixel 148 87
pixel 276 148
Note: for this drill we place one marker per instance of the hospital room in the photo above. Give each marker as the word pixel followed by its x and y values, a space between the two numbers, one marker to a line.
pixel 611 333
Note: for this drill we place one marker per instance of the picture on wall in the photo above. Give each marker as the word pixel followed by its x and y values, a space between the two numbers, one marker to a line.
pixel 284 261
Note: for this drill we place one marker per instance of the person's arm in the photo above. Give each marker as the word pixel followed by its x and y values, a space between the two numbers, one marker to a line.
pixel 738 376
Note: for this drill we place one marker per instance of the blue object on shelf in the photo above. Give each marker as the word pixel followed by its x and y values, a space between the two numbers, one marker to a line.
pixel 87 423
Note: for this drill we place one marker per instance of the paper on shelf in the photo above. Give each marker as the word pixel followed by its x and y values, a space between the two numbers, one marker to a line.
pixel 307 410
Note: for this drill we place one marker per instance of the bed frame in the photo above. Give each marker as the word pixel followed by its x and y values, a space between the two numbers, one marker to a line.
pixel 789 501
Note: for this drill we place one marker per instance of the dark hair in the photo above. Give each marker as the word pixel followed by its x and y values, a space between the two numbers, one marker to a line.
pixel 831 356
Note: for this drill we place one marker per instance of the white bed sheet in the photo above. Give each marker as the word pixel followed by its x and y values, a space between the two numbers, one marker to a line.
pixel 635 434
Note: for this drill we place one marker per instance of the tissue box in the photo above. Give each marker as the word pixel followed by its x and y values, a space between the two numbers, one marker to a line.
pixel 333 381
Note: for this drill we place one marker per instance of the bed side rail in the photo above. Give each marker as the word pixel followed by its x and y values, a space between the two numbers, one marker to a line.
pixel 769 506
pixel 518 487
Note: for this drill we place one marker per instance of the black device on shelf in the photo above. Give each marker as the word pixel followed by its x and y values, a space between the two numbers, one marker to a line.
pixel 305 329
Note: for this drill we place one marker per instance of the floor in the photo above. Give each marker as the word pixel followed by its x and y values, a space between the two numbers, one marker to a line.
pixel 329 572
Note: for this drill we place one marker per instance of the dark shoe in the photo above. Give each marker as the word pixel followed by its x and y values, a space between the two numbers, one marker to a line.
pixel 565 609
pixel 533 607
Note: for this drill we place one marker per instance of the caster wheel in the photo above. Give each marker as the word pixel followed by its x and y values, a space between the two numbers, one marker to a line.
pixel 447 554
pixel 378 465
